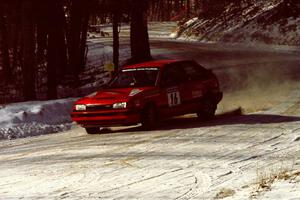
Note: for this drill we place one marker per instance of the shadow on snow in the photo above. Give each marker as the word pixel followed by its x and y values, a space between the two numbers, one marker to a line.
pixel 228 118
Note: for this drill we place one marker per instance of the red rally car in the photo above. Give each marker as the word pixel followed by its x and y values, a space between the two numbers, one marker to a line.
pixel 146 92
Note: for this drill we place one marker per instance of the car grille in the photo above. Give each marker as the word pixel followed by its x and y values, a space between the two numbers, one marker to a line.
pixel 98 107
pixel 94 114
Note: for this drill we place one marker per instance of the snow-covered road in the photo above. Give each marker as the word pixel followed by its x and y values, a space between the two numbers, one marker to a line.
pixel 183 159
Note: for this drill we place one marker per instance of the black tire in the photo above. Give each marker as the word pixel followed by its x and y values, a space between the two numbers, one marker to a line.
pixel 208 110
pixel 149 118
pixel 93 130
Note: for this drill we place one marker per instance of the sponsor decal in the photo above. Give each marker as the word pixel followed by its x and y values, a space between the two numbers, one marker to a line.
pixel 197 93
pixel 92 95
pixel 141 69
pixel 172 89
pixel 134 92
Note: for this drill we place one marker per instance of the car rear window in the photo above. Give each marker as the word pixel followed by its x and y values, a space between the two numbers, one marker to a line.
pixel 194 71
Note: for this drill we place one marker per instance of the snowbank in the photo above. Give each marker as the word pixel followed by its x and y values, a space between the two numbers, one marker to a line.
pixel 256 21
pixel 35 118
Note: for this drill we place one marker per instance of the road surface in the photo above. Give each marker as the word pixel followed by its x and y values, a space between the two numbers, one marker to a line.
pixel 184 158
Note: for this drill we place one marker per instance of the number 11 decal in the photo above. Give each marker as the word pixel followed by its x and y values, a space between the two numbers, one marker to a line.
pixel 174 98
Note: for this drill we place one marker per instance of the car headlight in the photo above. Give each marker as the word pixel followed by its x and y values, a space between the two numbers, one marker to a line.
pixel 120 105
pixel 80 107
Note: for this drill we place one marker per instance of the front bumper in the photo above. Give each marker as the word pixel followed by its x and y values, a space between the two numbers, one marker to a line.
pixel 107 118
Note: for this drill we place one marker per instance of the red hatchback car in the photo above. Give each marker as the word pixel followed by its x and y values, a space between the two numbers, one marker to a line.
pixel 146 92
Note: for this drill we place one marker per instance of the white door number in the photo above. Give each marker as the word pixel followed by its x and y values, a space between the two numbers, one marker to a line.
pixel 174 98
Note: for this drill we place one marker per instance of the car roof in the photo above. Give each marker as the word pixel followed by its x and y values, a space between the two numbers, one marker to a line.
pixel 156 63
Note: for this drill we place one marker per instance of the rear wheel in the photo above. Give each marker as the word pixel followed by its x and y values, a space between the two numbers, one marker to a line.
pixel 208 110
pixel 149 118
pixel 93 130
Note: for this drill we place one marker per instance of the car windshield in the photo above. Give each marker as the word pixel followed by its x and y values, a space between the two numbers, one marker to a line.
pixel 138 77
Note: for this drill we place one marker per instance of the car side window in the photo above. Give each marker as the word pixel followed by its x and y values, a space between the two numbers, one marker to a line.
pixel 194 71
pixel 172 75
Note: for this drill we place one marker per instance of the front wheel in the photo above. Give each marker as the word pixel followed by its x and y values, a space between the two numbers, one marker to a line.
pixel 93 130
pixel 207 111
pixel 149 118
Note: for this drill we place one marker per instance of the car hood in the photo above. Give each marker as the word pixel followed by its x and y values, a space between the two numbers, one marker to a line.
pixel 118 93
pixel 113 95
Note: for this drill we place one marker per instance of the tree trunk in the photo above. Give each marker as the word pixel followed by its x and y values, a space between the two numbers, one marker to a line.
pixel 16 34
pixel 56 48
pixel 83 46
pixel 78 31
pixel 177 6
pixel 42 30
pixel 116 20
pixel 28 65
pixel 139 39
pixel 51 67
pixel 5 49
pixel 74 43
pixel 188 9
